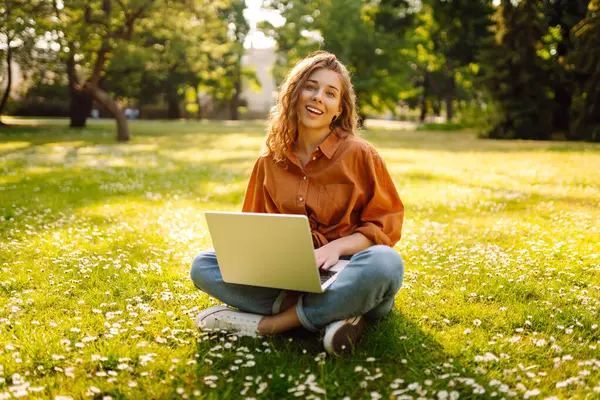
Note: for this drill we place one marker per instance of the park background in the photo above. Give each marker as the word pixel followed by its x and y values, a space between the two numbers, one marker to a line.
pixel 123 121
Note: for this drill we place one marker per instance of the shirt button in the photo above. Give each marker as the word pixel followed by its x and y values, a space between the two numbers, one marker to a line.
pixel 314 158
pixel 300 198
pixel 304 177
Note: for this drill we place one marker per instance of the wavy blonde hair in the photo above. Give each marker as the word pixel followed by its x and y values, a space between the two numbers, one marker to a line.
pixel 282 128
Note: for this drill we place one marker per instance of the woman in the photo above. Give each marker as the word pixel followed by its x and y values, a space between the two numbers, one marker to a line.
pixel 315 165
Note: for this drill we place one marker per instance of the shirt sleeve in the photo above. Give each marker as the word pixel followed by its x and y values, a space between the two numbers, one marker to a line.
pixel 257 197
pixel 382 217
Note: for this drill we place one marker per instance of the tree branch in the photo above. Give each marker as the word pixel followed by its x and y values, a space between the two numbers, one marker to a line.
pixel 125 32
pixel 99 64
pixel 71 73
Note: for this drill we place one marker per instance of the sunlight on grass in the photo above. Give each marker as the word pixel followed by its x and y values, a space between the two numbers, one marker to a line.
pixel 500 298
pixel 6 147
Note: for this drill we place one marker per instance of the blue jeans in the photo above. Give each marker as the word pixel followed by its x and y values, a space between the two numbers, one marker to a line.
pixel 366 286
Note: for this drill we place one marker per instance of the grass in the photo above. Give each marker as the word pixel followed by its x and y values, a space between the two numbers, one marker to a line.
pixel 500 300
pixel 440 127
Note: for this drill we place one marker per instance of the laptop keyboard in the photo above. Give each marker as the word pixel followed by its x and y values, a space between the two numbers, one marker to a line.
pixel 325 275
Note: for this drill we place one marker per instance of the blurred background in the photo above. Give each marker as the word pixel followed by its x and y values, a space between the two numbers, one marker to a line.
pixel 527 69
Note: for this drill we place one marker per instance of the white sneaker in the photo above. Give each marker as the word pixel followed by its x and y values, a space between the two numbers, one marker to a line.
pixel 225 318
pixel 342 335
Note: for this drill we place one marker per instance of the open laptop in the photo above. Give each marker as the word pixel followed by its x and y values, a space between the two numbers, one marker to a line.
pixel 270 250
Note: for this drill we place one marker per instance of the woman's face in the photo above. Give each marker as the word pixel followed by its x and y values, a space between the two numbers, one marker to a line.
pixel 320 99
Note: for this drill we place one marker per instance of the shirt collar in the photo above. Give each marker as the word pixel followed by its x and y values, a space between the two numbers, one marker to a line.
pixel 330 144
pixel 328 147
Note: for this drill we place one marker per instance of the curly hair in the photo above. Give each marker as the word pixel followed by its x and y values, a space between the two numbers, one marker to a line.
pixel 282 128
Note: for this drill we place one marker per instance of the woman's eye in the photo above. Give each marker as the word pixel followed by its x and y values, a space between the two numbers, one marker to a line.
pixel 330 94
pixel 310 87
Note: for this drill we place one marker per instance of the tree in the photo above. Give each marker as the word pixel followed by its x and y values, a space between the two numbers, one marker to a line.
pixel 515 74
pixel 92 30
pixel 424 64
pixel 366 36
pixel 585 108
pixel 18 34
pixel 462 27
pixel 178 51
pixel 239 29
pixel 559 48
pixel 179 48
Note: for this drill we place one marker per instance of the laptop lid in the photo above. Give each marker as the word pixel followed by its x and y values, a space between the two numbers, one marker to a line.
pixel 270 250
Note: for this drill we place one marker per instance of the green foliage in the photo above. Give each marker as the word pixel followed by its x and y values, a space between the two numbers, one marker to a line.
pixel 463 26
pixel 43 98
pixel 585 109
pixel 22 23
pixel 515 74
pixel 364 37
pixel 173 49
pixel 176 49
pixel 557 49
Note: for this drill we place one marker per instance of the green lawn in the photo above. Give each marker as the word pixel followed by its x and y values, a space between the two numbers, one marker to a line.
pixel 501 296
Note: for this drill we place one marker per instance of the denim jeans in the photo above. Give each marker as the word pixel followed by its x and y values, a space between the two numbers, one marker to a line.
pixel 366 286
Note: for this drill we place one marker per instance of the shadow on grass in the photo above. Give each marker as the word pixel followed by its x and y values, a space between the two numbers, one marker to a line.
pixel 103 132
pixel 393 354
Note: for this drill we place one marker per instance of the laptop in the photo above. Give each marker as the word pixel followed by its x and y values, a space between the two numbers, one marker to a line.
pixel 269 250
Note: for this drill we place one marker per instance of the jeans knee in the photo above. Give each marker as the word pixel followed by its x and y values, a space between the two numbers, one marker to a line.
pixel 200 268
pixel 387 265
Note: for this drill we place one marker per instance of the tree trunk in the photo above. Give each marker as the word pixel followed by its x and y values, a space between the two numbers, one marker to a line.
pixel 449 107
pixel 173 111
pixel 437 106
pixel 450 95
pixel 9 82
pixel 81 101
pixel 423 106
pixel 111 106
pixel 423 99
pixel 562 100
pixel 235 100
pixel 80 108
pixel 449 110
pixel 198 102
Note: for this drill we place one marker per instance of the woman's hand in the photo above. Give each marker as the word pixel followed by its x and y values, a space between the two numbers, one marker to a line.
pixel 327 256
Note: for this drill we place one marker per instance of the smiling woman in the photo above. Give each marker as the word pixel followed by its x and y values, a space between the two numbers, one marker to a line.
pixel 323 83
pixel 314 165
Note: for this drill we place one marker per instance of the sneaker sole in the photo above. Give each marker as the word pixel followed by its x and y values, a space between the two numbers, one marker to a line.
pixel 343 333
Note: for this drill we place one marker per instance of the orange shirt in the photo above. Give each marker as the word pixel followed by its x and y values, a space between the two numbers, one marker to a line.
pixel 344 188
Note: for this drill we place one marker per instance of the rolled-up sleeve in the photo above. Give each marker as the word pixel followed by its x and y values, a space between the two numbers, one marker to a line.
pixel 382 217
pixel 257 198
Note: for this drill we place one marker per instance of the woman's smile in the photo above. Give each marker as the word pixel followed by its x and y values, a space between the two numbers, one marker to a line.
pixel 314 111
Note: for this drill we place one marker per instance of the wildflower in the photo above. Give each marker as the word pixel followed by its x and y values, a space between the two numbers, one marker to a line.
pixel 531 393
